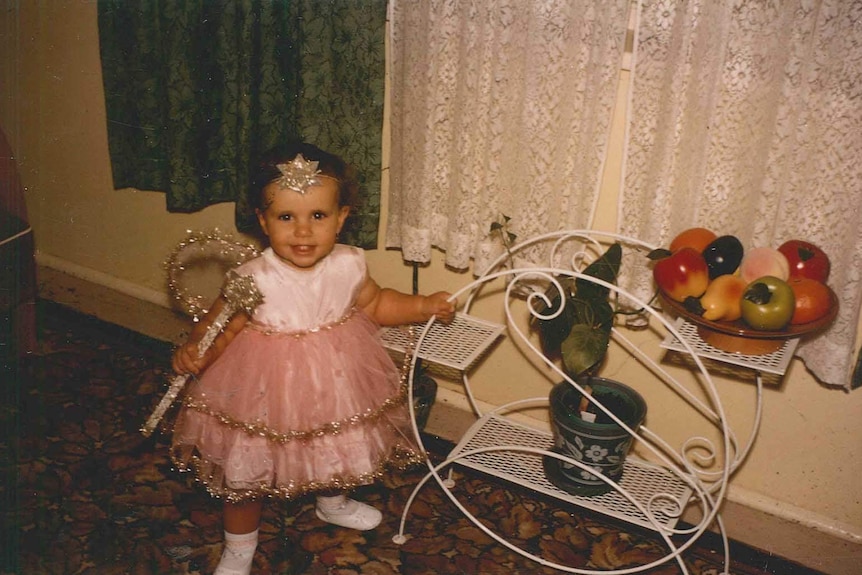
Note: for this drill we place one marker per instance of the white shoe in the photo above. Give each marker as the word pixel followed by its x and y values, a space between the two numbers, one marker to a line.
pixel 238 554
pixel 233 564
pixel 349 513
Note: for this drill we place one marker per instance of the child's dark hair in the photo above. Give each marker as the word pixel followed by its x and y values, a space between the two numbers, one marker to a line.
pixel 265 172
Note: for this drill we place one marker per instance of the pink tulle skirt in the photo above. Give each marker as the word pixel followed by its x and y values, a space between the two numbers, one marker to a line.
pixel 286 414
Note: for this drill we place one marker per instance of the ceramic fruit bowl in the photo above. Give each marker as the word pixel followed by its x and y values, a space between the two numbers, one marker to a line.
pixel 739 337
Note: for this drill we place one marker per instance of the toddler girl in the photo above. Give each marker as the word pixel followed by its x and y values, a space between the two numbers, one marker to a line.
pixel 299 397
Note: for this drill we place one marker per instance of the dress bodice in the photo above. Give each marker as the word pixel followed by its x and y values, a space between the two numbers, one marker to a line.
pixel 301 300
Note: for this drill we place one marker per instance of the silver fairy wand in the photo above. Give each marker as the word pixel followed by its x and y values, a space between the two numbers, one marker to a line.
pixel 240 294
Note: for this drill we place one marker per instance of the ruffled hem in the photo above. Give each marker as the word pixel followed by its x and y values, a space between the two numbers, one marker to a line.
pixel 211 476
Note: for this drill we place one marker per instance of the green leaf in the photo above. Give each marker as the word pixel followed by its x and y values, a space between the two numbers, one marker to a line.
pixel 553 331
pixel 581 333
pixel 692 305
pixel 583 348
pixel 596 313
pixel 659 254
pixel 606 268
pixel 758 293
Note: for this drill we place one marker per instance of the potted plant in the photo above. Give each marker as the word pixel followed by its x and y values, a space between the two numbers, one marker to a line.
pixel 579 337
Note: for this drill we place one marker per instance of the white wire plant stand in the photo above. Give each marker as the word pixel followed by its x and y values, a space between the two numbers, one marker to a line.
pixel 650 494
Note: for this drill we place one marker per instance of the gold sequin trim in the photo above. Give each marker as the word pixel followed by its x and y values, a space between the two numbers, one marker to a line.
pixel 265 330
pixel 206 473
pixel 330 428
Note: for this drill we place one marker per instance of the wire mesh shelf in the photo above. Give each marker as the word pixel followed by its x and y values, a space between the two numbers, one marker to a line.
pixel 775 363
pixel 643 481
pixel 456 345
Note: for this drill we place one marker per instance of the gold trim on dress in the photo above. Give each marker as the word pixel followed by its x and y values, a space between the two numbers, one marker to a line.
pixel 209 475
pixel 265 330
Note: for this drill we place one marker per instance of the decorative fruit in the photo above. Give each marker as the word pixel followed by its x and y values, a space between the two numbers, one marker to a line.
pixel 806 260
pixel 697 238
pixel 681 274
pixel 813 300
pixel 723 255
pixel 768 304
pixel 760 262
pixel 722 300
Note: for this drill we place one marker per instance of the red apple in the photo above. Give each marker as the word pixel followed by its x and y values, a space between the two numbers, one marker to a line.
pixel 682 274
pixel 806 260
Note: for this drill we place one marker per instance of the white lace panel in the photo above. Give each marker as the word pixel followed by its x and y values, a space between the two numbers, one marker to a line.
pixel 498 107
pixel 746 117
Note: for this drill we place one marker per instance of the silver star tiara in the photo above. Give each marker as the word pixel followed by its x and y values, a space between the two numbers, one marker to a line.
pixel 298 174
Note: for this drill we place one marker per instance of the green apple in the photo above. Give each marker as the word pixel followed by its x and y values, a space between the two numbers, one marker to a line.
pixel 768 304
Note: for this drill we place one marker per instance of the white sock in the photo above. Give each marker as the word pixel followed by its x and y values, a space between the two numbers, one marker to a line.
pixel 238 553
pixel 331 504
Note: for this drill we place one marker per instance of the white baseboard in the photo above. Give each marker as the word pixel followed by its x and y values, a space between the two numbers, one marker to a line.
pixel 100 278
pixel 111 299
pixel 793 514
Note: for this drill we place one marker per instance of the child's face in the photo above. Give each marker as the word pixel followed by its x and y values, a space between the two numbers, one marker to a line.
pixel 303 228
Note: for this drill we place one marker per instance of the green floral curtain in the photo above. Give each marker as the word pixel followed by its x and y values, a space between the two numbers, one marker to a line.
pixel 196 90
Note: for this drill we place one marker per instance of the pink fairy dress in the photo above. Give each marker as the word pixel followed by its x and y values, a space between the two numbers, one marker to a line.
pixel 304 398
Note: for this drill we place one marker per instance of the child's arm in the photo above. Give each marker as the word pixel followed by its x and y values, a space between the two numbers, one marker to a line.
pixel 390 307
pixel 186 358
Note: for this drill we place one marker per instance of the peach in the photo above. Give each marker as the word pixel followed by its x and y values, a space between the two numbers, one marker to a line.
pixel 760 262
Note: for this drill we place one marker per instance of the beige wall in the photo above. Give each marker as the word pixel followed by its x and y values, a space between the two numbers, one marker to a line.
pixel 807 459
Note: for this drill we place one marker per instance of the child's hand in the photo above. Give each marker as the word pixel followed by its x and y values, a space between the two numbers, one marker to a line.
pixel 186 359
pixel 438 304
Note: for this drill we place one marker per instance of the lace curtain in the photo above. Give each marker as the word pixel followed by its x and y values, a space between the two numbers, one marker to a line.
pixel 746 117
pixel 498 108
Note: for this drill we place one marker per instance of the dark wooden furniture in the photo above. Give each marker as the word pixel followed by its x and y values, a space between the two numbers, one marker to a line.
pixel 17 263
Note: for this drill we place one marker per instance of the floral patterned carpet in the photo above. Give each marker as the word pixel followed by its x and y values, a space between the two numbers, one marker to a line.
pixel 83 491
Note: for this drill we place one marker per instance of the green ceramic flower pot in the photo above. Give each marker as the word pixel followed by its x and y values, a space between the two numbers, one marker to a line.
pixel 602 445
